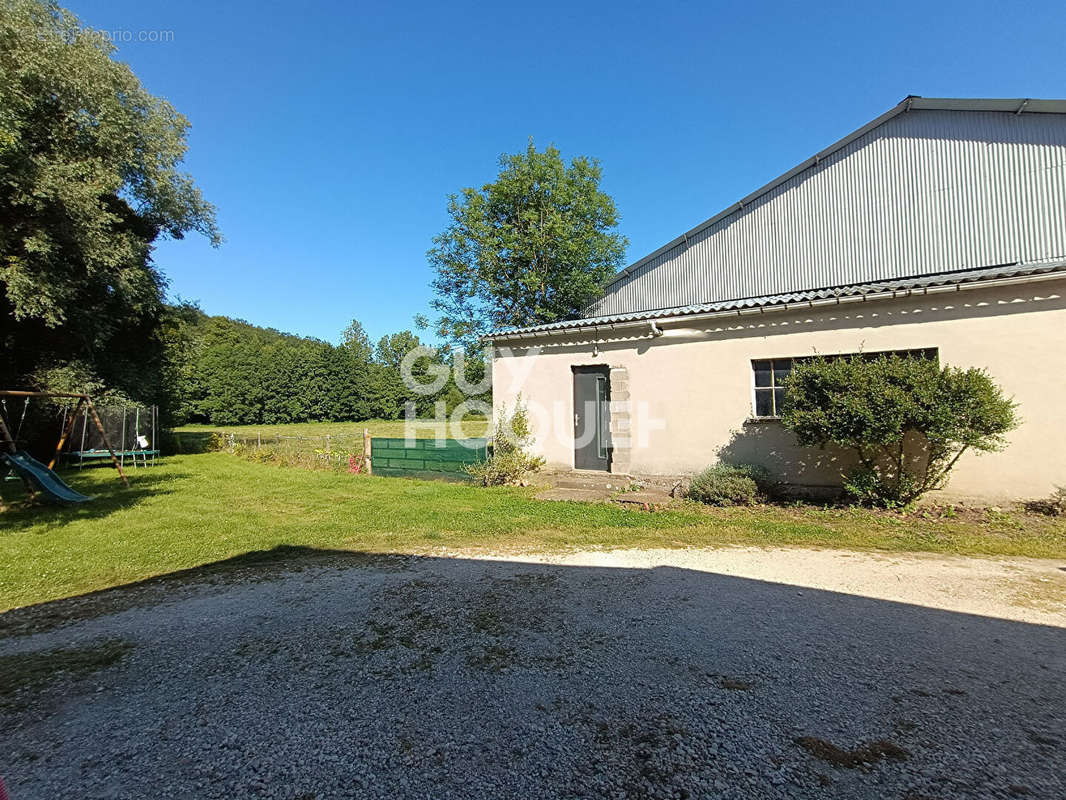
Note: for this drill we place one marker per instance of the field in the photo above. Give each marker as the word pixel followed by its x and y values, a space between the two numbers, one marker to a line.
pixel 193 510
pixel 393 428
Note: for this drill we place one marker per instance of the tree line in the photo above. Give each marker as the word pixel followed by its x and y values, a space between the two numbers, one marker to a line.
pixel 223 371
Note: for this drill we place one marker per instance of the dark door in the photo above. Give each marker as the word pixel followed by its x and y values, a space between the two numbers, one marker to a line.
pixel 592 423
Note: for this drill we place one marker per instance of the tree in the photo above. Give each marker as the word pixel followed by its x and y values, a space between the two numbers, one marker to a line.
pixel 534 246
pixel 356 340
pixel 181 345
pixel 386 393
pixel 394 347
pixel 352 375
pixel 90 166
pixel 231 376
pixel 907 420
pixel 420 385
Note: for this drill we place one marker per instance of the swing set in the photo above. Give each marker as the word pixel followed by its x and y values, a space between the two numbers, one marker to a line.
pixel 39 477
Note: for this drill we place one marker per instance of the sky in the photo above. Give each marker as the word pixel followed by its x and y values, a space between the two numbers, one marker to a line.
pixel 330 134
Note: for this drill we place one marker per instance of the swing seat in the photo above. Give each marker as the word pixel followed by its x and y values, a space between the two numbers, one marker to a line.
pixel 49 484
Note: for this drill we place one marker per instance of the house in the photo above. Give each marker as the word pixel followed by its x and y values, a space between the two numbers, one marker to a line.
pixel 938 228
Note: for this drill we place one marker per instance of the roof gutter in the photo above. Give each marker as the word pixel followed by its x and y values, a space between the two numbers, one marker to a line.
pixel 797 305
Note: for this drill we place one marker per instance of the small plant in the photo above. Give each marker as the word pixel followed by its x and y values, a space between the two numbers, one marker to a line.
pixel 1003 520
pixel 866 486
pixel 729 485
pixel 1053 506
pixel 509 464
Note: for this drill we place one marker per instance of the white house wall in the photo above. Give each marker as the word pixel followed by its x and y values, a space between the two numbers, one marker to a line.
pixel 689 391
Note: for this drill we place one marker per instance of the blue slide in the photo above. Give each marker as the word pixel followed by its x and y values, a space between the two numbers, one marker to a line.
pixel 43 478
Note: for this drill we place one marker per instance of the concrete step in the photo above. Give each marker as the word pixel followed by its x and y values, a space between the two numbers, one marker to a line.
pixel 614 483
pixel 574 495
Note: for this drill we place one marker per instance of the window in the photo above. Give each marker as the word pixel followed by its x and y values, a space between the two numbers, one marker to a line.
pixel 769 379
pixel 770 374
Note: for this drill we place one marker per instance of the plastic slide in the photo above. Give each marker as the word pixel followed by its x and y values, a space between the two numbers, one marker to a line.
pixel 43 478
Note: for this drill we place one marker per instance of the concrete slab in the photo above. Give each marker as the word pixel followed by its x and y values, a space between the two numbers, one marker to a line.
pixel 577 495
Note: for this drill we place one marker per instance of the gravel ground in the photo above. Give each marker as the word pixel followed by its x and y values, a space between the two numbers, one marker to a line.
pixel 737 673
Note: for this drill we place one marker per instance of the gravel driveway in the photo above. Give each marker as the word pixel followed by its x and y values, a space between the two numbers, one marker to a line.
pixel 734 673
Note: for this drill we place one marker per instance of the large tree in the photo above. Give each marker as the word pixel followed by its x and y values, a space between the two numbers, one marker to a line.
pixel 89 178
pixel 534 246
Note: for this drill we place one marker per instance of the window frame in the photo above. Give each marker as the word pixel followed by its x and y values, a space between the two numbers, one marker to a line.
pixel 930 353
pixel 771 389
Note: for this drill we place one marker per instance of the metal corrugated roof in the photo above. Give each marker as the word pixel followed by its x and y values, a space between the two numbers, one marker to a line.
pixel 1012 105
pixel 972 276
pixel 929 191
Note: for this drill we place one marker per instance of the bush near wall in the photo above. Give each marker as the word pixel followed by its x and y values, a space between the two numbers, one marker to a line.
pixel 730 485
pixel 908 420
pixel 511 463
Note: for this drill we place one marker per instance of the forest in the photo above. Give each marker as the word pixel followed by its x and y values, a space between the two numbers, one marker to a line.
pixel 228 372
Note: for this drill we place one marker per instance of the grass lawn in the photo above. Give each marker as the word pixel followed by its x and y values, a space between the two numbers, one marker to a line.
pixel 193 510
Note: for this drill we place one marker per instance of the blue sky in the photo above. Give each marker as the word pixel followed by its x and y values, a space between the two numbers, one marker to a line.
pixel 329 134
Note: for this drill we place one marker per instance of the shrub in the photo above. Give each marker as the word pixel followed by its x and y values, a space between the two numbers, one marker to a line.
pixel 729 485
pixel 866 486
pixel 509 464
pixel 907 420
pixel 1053 506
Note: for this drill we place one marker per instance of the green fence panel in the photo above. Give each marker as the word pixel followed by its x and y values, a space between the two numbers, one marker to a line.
pixel 426 458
